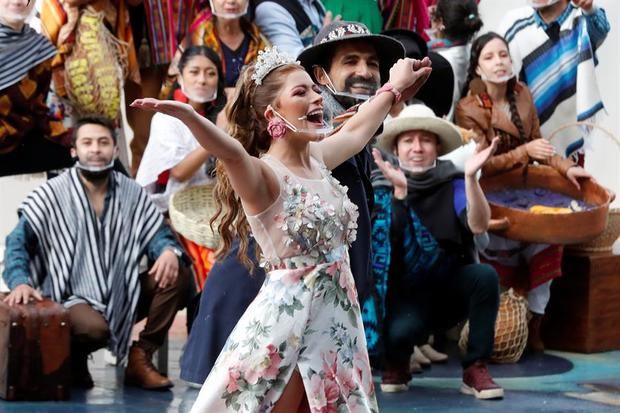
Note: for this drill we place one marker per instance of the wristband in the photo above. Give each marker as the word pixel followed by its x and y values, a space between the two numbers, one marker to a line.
pixel 388 87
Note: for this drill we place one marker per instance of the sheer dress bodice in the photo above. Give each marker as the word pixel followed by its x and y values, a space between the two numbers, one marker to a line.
pixel 312 218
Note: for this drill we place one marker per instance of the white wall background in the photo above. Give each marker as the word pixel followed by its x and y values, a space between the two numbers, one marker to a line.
pixel 601 159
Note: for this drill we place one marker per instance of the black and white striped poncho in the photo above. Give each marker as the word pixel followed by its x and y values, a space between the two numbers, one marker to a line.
pixel 82 259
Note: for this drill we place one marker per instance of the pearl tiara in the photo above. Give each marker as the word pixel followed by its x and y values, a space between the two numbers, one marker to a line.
pixel 268 60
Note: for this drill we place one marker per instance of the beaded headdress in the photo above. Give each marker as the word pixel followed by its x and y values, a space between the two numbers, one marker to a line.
pixel 268 60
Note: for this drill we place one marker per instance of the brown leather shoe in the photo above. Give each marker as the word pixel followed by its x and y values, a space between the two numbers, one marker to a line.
pixel 141 372
pixel 80 376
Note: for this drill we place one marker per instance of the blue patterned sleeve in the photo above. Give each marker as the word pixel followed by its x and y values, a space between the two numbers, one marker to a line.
pixel 20 244
pixel 598 26
pixel 164 238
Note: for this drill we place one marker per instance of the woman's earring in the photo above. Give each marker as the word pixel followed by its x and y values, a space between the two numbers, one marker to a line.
pixel 276 128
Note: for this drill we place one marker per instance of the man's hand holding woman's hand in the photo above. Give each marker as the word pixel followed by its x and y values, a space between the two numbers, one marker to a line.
pixel 408 76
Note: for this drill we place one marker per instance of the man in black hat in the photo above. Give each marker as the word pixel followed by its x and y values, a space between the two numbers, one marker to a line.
pixel 350 64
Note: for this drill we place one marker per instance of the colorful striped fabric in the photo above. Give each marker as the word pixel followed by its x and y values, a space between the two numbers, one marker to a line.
pixel 558 65
pixel 406 14
pixel 167 23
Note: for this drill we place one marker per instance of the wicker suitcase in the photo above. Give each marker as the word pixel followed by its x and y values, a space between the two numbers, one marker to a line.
pixel 34 351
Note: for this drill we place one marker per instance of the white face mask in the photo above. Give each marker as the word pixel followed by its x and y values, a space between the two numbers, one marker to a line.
pixel 321 132
pixel 224 15
pixel 498 79
pixel 11 16
pixel 538 4
pixel 95 169
pixel 196 97
pixel 416 169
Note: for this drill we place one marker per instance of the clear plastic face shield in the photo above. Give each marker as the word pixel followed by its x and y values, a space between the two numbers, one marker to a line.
pixel 342 96
pixel 539 4
pixel 227 15
pixel 322 119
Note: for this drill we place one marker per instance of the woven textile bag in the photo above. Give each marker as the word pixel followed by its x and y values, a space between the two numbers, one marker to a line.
pixel 510 329
pixel 95 70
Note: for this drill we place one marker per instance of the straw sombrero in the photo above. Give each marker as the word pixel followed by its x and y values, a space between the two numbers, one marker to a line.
pixel 419 117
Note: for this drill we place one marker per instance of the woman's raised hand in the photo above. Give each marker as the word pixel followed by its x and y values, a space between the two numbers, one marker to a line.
pixel 408 76
pixel 539 149
pixel 167 107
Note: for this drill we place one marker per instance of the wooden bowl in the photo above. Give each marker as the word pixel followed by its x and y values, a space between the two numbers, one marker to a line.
pixel 523 225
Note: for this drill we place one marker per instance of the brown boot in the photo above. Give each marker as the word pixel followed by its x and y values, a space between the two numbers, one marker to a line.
pixel 141 372
pixel 534 339
pixel 80 376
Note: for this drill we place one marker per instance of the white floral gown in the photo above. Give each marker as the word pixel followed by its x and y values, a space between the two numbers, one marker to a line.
pixel 306 315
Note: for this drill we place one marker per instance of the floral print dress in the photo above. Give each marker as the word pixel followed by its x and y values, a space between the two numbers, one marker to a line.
pixel 306 315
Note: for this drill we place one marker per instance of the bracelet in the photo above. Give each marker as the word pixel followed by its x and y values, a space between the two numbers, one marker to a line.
pixel 388 87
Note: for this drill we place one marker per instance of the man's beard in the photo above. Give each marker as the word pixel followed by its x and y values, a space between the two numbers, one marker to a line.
pixel 96 177
pixel 349 101
pixel 371 84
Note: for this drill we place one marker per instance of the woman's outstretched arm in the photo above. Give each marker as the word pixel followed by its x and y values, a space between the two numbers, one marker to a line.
pixel 252 180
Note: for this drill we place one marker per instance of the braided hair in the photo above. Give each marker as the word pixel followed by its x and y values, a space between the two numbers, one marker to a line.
pixel 474 57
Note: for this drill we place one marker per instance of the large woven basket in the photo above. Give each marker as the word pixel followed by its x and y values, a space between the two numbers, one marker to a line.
pixel 191 210
pixel 547 228
pixel 510 329
pixel 605 241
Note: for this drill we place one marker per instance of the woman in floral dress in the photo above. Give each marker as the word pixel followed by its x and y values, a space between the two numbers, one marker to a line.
pixel 300 345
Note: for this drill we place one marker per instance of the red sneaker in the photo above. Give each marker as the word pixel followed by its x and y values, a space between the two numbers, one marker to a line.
pixel 395 380
pixel 477 381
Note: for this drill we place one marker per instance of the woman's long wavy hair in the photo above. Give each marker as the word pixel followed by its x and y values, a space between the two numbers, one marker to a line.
pixel 247 124
pixel 476 49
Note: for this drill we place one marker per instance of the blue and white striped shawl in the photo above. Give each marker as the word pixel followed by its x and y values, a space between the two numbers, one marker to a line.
pixel 560 74
pixel 82 259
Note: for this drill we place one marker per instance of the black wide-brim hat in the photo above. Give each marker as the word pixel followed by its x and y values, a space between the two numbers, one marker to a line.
pixel 388 49
pixel 415 46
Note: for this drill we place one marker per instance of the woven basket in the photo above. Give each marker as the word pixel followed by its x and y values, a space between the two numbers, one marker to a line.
pixel 510 329
pixel 191 210
pixel 605 241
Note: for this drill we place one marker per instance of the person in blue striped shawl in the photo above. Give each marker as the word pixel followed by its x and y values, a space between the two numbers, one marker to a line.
pixel 553 45
pixel 425 272
pixel 83 234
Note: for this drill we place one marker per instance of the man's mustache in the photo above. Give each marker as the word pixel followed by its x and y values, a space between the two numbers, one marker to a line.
pixel 371 84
